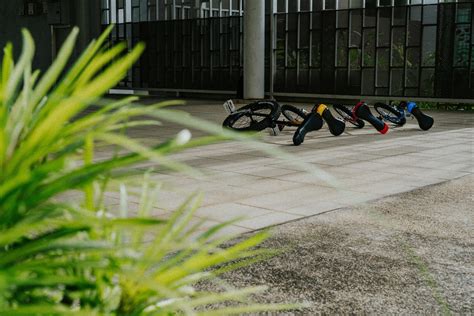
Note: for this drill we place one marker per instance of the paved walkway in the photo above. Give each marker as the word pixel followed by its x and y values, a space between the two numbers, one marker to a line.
pixel 264 190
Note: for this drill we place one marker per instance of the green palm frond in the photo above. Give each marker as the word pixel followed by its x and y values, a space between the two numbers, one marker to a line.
pixel 59 256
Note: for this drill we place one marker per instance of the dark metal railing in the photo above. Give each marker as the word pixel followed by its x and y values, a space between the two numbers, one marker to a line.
pixel 412 51
pixel 415 51
pixel 185 54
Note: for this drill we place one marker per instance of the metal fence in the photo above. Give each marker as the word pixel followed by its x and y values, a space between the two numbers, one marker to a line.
pixel 412 51
pixel 191 54
pixel 421 50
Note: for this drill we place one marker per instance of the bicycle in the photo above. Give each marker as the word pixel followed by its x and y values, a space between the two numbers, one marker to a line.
pixel 346 115
pixel 360 113
pixel 391 113
pixel 398 114
pixel 261 115
pixel 314 121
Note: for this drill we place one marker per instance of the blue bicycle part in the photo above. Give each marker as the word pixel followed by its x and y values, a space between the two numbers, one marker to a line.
pixel 411 106
pixel 390 113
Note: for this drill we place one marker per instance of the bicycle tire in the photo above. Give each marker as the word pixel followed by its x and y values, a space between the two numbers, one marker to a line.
pixel 393 116
pixel 294 115
pixel 346 115
pixel 255 116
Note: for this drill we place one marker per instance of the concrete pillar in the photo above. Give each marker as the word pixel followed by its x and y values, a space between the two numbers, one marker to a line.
pixel 254 49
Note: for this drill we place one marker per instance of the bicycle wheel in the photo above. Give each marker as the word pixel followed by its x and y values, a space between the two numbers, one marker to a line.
pixel 390 113
pixel 255 116
pixel 346 115
pixel 294 115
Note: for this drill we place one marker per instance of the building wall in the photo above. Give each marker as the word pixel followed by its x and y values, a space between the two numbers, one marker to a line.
pixel 127 11
pixel 82 13
pixel 11 23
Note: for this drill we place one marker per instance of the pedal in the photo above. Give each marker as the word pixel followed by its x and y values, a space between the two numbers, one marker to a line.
pixel 229 106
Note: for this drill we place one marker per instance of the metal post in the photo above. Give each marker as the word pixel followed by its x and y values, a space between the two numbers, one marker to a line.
pixel 87 17
pixel 273 4
pixel 53 43
pixel 84 23
pixel 254 49
pixel 173 10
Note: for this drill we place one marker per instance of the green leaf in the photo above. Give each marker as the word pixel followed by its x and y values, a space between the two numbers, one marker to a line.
pixel 62 254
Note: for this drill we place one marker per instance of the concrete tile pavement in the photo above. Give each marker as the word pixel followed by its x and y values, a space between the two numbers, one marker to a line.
pixel 241 182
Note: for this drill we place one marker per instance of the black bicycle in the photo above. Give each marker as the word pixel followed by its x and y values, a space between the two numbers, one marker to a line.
pixel 346 114
pixel 392 113
pixel 358 114
pixel 398 114
pixel 261 115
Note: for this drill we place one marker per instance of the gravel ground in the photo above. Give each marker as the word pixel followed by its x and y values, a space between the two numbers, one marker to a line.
pixel 406 254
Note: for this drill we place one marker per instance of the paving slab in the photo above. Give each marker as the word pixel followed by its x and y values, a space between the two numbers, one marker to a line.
pixel 240 181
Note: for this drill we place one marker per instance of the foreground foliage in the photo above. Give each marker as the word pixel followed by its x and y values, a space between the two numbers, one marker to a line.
pixel 57 256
